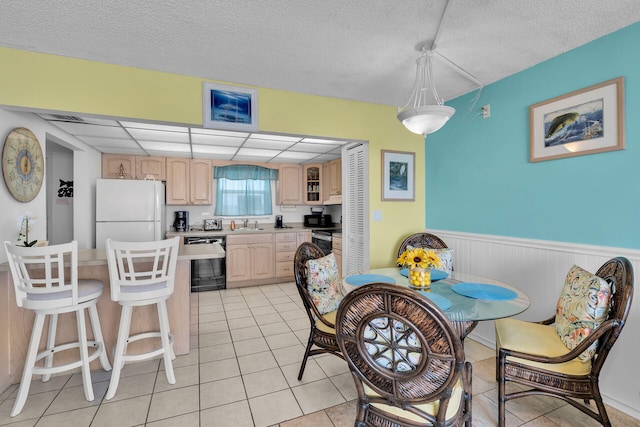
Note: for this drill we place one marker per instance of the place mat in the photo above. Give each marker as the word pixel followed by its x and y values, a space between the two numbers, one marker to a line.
pixel 363 279
pixel 442 302
pixel 435 274
pixel 484 291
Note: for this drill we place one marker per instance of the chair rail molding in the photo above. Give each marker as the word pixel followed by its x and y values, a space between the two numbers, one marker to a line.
pixel 539 268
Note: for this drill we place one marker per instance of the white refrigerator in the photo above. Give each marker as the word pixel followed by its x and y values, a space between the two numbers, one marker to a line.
pixel 129 210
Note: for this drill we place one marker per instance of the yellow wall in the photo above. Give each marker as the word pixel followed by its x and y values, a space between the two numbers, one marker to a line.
pixel 47 82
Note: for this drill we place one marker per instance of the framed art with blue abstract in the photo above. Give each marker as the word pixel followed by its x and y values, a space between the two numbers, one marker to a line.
pixel 229 107
pixel 398 175
pixel 587 121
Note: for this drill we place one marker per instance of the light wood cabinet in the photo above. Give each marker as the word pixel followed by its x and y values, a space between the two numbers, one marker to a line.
pixel 201 181
pixel 336 248
pixel 335 177
pixel 286 246
pixel 113 165
pixel 250 257
pixel 133 167
pixel 155 167
pixel 290 185
pixel 189 181
pixel 303 236
pixel 313 184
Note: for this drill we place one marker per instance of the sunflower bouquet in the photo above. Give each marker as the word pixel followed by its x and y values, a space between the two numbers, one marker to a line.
pixel 419 261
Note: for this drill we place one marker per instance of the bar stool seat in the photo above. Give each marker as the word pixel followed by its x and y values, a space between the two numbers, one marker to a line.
pixel 142 273
pixel 56 293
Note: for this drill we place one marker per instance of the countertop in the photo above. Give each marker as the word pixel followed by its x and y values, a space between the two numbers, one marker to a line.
pixel 88 257
pixel 262 228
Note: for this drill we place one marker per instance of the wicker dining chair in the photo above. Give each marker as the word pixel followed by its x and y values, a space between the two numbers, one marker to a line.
pixel 406 359
pixel 562 374
pixel 422 240
pixel 323 333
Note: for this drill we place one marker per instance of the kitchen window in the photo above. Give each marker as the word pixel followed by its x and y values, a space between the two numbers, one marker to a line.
pixel 243 190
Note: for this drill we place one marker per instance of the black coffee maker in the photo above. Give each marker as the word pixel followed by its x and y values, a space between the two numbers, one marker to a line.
pixel 279 223
pixel 181 220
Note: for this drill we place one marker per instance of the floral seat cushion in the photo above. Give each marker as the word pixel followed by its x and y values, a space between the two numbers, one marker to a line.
pixel 582 307
pixel 324 284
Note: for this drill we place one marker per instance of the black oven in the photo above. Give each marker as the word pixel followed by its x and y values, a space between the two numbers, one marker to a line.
pixel 322 238
pixel 207 274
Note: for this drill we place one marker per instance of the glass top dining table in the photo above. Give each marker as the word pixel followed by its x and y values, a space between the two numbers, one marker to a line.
pixel 462 309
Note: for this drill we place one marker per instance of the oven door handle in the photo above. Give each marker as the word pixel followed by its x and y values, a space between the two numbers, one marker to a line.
pixel 321 237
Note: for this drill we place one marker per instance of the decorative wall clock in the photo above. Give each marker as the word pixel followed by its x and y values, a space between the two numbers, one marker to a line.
pixel 22 164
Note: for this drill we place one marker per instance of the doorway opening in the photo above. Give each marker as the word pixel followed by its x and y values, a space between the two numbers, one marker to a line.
pixel 59 188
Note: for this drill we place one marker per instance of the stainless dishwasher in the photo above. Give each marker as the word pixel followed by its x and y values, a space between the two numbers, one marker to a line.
pixel 207 274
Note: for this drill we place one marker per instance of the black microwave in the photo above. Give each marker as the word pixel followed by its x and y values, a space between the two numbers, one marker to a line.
pixel 317 221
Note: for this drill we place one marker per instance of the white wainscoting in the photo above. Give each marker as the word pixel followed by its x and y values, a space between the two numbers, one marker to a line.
pixel 538 268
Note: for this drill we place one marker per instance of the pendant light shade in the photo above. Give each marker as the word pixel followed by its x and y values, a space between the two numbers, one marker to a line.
pixel 424 113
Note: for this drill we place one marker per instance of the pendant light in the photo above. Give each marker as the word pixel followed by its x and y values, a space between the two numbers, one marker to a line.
pixel 425 111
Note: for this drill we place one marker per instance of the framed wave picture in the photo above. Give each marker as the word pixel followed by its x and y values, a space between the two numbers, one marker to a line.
pixel 398 176
pixel 587 121
pixel 229 107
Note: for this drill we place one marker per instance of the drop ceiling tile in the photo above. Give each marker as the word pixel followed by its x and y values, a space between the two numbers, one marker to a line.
pixel 150 126
pixel 275 137
pixel 219 132
pixel 83 129
pixel 313 148
pixel 267 144
pixel 157 135
pixel 202 149
pixel 295 155
pixel 95 141
pixel 323 141
pixel 163 153
pixel 230 141
pixel 249 159
pixel 254 152
pixel 166 146
pixel 137 151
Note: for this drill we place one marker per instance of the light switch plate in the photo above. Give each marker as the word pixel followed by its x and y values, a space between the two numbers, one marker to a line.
pixel 377 216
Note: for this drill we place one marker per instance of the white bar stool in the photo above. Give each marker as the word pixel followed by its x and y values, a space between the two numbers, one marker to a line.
pixel 142 273
pixel 56 293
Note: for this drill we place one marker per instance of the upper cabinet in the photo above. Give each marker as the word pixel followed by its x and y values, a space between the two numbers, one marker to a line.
pixel 189 181
pixel 133 167
pixel 290 185
pixel 118 166
pixel 313 184
pixel 149 166
pixel 335 177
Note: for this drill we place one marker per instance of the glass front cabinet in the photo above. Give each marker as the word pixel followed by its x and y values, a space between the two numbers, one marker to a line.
pixel 313 184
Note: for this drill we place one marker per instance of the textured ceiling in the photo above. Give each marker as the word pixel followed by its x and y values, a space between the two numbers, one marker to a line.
pixel 354 49
pixel 360 50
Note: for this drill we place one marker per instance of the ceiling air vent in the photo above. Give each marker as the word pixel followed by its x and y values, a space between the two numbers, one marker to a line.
pixel 67 118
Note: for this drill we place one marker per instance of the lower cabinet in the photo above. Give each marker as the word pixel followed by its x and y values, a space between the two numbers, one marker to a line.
pixel 249 258
pixel 286 246
pixel 336 248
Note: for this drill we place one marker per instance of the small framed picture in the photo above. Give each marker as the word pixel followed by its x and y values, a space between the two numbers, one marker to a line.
pixel 398 176
pixel 587 121
pixel 229 107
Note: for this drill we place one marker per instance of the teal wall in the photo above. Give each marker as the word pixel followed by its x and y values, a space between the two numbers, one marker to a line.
pixel 479 178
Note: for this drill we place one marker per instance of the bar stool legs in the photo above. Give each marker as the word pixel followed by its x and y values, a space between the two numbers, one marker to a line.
pixel 121 356
pixel 48 353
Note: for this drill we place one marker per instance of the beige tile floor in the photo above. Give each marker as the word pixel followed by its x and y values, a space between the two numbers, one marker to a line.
pixel 247 345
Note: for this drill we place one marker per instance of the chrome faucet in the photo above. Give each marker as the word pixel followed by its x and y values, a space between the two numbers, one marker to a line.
pixel 245 223
pixel 256 225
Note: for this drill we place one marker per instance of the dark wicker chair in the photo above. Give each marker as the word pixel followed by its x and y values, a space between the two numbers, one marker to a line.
pixel 422 240
pixel 406 359
pixel 323 334
pixel 546 375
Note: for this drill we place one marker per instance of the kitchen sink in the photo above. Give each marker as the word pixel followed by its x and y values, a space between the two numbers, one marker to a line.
pixel 248 229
